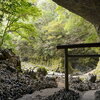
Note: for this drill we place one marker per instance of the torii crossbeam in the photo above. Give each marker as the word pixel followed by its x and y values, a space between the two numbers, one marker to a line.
pixel 66 47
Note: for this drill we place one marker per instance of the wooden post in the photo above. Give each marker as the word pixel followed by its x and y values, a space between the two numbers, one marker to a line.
pixel 66 69
pixel 66 47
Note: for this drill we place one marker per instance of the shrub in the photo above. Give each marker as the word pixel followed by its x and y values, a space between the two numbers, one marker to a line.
pixel 42 71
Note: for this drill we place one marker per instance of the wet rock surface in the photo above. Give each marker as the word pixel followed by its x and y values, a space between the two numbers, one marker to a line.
pixel 13 83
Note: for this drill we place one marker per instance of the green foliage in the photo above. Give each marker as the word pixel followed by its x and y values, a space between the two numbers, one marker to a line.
pixel 97 71
pixel 42 71
pixel 70 69
pixel 57 26
pixel 15 18
pixel 33 28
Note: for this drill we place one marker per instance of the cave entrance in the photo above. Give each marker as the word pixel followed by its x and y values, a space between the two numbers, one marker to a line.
pixel 66 56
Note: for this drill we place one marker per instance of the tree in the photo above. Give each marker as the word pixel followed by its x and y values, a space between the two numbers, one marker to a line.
pixel 56 26
pixel 39 35
pixel 88 9
pixel 13 17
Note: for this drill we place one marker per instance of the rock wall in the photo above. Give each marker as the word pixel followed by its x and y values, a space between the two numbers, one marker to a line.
pixel 88 9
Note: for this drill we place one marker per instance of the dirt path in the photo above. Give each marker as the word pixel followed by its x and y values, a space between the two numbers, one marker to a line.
pixel 38 95
pixel 89 95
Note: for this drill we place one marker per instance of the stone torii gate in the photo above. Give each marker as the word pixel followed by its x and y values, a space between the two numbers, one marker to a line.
pixel 66 47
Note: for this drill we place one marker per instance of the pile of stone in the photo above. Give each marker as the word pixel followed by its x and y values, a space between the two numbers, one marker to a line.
pixel 64 95
pixel 13 83
pixel 78 84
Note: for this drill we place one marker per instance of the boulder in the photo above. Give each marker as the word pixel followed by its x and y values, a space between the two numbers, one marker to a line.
pixel 92 78
pixel 8 57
